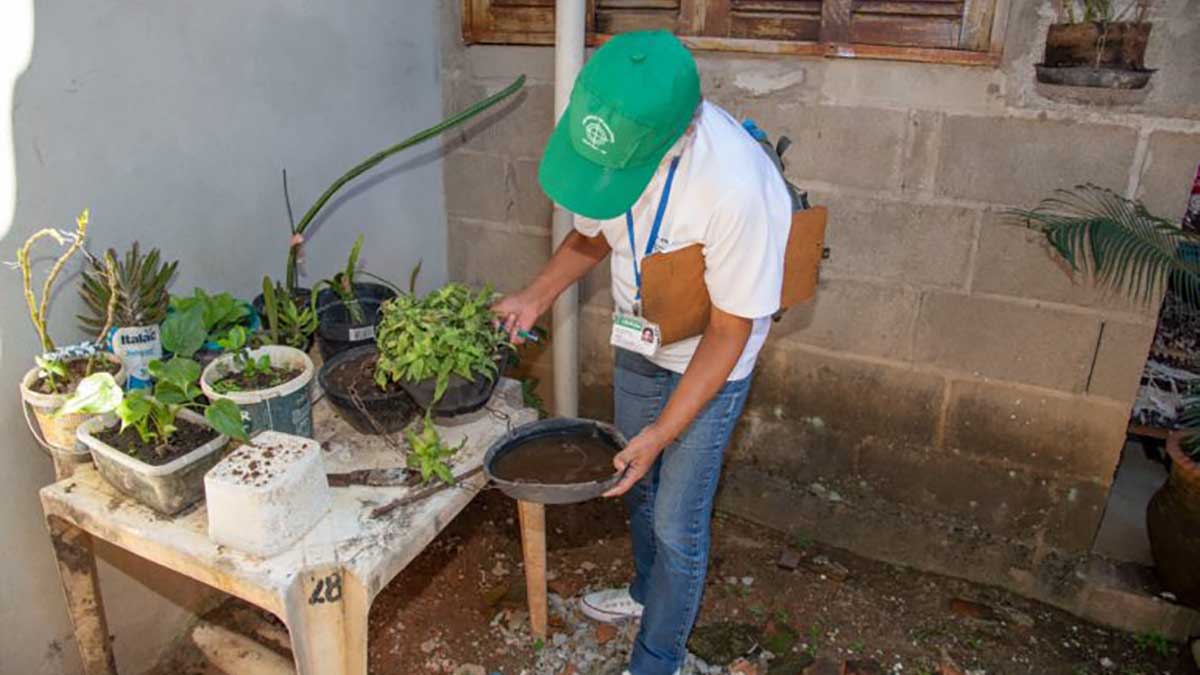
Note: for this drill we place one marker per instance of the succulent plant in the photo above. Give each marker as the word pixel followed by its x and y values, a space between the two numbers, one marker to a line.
pixel 141 287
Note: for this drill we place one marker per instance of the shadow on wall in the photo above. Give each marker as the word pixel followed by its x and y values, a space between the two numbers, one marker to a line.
pixel 171 123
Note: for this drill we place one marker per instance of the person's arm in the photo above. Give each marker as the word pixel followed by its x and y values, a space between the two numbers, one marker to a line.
pixel 574 257
pixel 718 352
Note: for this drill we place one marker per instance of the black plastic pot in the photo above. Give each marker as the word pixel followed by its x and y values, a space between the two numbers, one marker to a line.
pixel 363 290
pixel 547 493
pixel 301 296
pixel 462 396
pixel 337 330
pixel 370 412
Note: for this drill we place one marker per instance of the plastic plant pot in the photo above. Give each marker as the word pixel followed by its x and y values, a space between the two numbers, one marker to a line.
pixel 363 290
pixel 57 434
pixel 285 407
pixel 167 488
pixel 462 396
pixel 337 330
pixel 370 410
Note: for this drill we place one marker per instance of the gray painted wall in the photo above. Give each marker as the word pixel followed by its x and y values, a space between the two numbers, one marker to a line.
pixel 171 121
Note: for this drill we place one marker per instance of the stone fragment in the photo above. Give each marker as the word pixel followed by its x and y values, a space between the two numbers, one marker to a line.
pixel 968 609
pixel 605 632
pixel 788 560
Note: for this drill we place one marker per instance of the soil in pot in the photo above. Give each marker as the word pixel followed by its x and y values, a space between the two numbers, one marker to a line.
pixel 348 380
pixel 243 381
pixel 338 331
pixel 76 371
pixel 187 437
pixel 580 457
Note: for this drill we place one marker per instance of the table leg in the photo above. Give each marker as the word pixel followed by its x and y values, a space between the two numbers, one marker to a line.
pixel 327 619
pixel 81 586
pixel 533 549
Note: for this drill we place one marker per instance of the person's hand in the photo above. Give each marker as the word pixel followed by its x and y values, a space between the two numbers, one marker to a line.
pixel 517 313
pixel 636 459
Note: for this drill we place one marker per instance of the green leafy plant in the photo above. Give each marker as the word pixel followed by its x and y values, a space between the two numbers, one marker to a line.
pixel 133 289
pixel 201 318
pixel 52 371
pixel 1154 641
pixel 451 331
pixel 429 455
pixel 287 323
pixel 342 283
pixel 154 416
pixel 1117 241
pixel 237 343
pixel 1125 249
pixel 299 229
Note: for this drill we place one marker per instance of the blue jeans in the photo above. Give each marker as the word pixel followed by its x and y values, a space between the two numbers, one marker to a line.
pixel 670 509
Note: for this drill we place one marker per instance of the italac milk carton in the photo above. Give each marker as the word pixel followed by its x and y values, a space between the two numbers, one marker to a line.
pixel 137 346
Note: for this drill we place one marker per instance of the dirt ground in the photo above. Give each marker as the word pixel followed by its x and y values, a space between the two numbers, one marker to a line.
pixel 458 607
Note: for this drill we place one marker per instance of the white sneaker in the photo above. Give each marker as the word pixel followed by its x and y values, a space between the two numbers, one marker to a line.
pixel 611 606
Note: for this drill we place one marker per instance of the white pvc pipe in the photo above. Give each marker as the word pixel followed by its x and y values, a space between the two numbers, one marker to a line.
pixel 569 27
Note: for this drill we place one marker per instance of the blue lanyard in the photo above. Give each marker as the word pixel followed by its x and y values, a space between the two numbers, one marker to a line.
pixel 658 217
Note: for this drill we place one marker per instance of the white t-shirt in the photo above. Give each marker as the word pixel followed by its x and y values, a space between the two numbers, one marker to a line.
pixel 728 196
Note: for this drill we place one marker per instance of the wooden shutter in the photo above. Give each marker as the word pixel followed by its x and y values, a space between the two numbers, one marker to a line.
pixel 957 31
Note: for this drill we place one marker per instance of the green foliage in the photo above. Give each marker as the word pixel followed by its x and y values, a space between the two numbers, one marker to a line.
pixel 52 371
pixel 429 455
pixel 201 318
pixel 1116 240
pixel 140 285
pixel 531 399
pixel 237 343
pixel 1104 11
pixel 287 323
pixel 1126 249
pixel 153 416
pixel 342 284
pixel 1154 641
pixel 450 331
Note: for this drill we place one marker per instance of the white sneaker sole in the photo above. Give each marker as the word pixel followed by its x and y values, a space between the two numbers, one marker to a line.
pixel 604 616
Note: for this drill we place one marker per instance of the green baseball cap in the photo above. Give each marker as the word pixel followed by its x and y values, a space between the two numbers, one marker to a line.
pixel 631 102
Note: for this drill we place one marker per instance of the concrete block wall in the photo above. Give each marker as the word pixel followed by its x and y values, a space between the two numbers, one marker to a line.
pixel 963 393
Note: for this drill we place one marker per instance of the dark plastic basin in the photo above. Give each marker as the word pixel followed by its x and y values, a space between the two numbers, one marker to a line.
pixel 547 493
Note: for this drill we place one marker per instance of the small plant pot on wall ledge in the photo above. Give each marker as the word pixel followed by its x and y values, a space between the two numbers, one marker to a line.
pixel 168 487
pixel 57 434
pixel 348 380
pixel 1108 55
pixel 284 407
pixel 1172 522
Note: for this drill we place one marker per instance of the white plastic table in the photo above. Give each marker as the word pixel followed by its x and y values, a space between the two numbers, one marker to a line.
pixel 322 588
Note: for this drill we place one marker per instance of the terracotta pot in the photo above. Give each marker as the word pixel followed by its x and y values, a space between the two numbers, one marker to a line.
pixel 1097 45
pixel 56 434
pixel 1173 523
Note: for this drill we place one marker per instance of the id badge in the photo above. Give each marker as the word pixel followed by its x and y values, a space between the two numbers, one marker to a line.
pixel 635 334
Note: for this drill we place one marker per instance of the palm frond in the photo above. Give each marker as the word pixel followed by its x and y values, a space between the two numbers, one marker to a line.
pixel 1118 242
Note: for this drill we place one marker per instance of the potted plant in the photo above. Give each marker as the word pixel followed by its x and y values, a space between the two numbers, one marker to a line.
pixel 166 440
pixel 1098 43
pixel 130 295
pixel 58 371
pixel 1128 249
pixel 445 349
pixel 215 314
pixel 347 310
pixel 287 322
pixel 299 229
pixel 269 384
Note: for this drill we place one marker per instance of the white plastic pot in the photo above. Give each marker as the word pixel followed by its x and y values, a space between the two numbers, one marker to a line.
pixel 56 434
pixel 285 407
pixel 166 488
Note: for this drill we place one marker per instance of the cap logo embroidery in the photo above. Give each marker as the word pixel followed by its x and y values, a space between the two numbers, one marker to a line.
pixel 597 134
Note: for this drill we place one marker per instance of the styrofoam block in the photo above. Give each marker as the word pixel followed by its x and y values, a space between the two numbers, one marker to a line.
pixel 267 494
